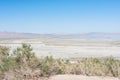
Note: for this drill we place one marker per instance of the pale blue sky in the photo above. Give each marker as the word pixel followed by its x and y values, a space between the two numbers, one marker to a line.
pixel 60 16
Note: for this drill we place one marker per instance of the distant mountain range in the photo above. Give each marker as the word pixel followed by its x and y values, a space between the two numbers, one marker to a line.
pixel 17 35
pixel 92 35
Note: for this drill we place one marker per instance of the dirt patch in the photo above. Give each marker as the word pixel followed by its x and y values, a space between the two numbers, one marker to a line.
pixel 80 77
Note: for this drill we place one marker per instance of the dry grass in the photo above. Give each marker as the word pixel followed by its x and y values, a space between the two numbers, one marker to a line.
pixel 23 64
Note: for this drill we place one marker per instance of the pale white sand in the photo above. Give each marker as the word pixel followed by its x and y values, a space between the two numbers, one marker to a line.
pixel 80 77
pixel 69 48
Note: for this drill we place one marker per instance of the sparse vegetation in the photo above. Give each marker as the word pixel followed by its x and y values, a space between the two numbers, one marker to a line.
pixel 23 64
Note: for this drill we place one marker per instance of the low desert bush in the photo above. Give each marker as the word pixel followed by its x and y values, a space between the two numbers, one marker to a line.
pixel 23 64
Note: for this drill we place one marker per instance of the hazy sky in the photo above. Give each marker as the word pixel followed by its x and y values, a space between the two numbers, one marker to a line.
pixel 60 16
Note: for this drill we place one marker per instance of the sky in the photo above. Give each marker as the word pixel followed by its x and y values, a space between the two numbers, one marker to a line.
pixel 60 16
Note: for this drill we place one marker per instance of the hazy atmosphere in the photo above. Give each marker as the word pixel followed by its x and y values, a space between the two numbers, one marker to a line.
pixel 60 16
pixel 59 39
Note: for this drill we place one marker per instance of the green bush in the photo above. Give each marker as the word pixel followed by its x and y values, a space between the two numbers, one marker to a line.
pixel 23 64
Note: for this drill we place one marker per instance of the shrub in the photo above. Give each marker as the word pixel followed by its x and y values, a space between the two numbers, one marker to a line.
pixel 23 64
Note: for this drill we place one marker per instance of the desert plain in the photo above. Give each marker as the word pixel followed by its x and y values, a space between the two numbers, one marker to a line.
pixel 68 49
pixel 72 49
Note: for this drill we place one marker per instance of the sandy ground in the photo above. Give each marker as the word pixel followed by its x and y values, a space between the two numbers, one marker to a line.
pixel 71 49
pixel 80 77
